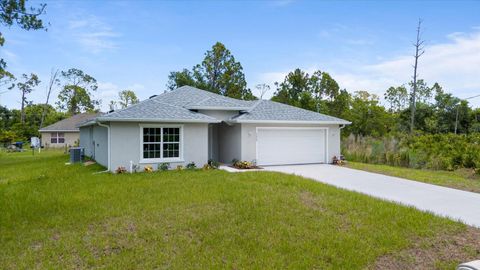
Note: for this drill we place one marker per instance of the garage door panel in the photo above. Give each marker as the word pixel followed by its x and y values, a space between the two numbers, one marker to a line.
pixel 290 146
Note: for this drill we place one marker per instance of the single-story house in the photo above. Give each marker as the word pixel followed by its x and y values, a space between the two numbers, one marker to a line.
pixel 192 125
pixel 64 133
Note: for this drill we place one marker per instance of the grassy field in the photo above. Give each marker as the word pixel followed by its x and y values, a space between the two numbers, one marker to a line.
pixel 461 179
pixel 64 217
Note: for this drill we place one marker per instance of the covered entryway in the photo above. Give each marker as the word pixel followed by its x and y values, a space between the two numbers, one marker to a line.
pixel 279 146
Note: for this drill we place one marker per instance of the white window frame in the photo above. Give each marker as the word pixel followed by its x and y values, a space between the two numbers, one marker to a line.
pixel 57 137
pixel 161 159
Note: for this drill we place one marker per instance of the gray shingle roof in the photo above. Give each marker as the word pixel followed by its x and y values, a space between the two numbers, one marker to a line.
pixel 266 110
pixel 156 109
pixel 180 105
pixel 70 124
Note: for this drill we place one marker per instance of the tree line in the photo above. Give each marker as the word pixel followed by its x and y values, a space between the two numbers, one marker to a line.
pixel 436 111
pixel 430 107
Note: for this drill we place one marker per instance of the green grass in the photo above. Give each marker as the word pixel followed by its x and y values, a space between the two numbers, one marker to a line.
pixel 461 179
pixel 63 217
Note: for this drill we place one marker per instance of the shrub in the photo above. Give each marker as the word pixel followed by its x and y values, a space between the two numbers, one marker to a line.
pixel 148 169
pixel 213 164
pixel 438 151
pixel 243 165
pixel 121 169
pixel 179 167
pixel 191 166
pixel 164 166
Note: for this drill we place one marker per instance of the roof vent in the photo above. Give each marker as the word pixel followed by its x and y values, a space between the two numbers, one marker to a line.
pixel 152 96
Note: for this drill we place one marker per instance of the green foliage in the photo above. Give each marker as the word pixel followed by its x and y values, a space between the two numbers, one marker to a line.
pixel 438 151
pixel 213 163
pixel 164 166
pixel 7 137
pixel 191 166
pixel 397 97
pixel 15 12
pixel 75 96
pixel 26 87
pixel 127 98
pixel 368 117
pixel 219 73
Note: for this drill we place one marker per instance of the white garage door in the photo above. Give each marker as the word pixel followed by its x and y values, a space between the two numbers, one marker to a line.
pixel 278 146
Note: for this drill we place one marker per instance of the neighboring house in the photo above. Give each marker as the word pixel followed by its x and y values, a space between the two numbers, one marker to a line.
pixel 192 125
pixel 65 132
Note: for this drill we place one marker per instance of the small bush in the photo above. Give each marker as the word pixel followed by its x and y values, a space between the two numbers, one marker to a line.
pixel 438 151
pixel 213 164
pixel 121 169
pixel 243 165
pixel 179 167
pixel 164 166
pixel 191 166
pixel 148 169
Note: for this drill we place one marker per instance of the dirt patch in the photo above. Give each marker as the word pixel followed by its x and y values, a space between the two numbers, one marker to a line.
pixel 310 200
pixel 434 253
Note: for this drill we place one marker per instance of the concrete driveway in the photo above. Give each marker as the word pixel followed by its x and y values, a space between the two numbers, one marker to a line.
pixel 447 202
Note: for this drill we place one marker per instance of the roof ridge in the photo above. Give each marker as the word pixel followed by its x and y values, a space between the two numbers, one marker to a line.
pixel 249 110
pixel 180 107
pixel 283 104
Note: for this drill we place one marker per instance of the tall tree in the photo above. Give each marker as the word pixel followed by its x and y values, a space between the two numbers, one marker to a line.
pixel 312 92
pixel 289 91
pixel 76 93
pixel 54 81
pixel 397 98
pixel 219 73
pixel 127 98
pixel 15 12
pixel 368 117
pixel 26 87
pixel 419 51
pixel 180 78
pixel 262 89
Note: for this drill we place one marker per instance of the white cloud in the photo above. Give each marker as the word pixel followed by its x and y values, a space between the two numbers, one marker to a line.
pixel 454 64
pixel 108 91
pixel 93 34
pixel 10 57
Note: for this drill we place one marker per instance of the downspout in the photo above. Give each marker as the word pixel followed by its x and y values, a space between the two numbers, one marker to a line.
pixel 108 144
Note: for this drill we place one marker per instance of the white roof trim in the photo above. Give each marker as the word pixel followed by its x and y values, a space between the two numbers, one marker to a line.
pixel 291 122
pixel 106 119
pixel 58 130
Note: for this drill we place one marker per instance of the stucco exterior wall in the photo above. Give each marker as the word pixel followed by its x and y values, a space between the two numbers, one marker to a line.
pixel 229 142
pixel 86 141
pixel 125 145
pixel 249 139
pixel 70 139
pixel 100 145
pixel 94 140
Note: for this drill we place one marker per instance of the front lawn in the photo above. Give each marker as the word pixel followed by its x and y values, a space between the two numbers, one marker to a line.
pixel 462 179
pixel 63 217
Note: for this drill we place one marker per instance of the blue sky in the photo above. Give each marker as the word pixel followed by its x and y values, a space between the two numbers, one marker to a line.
pixel 364 45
